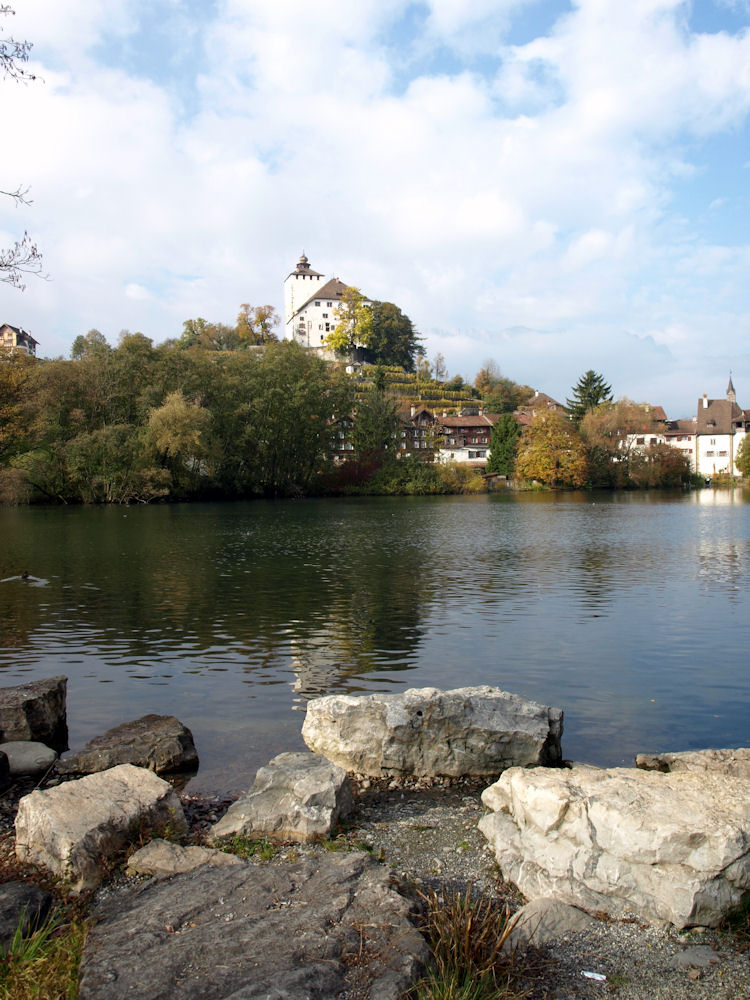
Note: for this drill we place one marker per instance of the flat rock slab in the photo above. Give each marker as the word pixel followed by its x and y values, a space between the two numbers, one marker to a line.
pixel 672 847
pixel 158 742
pixel 21 901
pixel 161 858
pixel 544 920
pixel 75 828
pixel 426 732
pixel 735 763
pixel 35 711
pixel 306 931
pixel 27 758
pixel 296 796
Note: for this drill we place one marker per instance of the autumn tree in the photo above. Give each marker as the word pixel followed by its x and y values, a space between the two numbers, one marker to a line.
pixel 503 445
pixel 178 431
pixel 375 424
pixel 610 432
pixel 551 452
pixel 353 323
pixel 256 324
pixel 588 392
pixel 200 332
pixel 91 345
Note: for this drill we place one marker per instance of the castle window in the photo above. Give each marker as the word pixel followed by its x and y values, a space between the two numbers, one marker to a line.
pixel 318 302
pixel 329 304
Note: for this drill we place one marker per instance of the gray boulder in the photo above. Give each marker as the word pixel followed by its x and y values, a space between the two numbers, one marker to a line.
pixel 28 759
pixel 161 858
pixel 427 732
pixel 314 930
pixel 735 763
pixel 35 711
pixel 296 796
pixel 76 828
pixel 21 902
pixel 672 847
pixel 158 742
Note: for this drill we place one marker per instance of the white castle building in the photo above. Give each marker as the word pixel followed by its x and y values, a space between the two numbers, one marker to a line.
pixel 311 302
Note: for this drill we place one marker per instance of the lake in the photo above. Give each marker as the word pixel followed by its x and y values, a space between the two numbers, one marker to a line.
pixel 628 611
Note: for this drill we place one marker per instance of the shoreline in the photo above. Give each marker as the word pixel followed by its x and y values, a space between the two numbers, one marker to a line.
pixel 427 833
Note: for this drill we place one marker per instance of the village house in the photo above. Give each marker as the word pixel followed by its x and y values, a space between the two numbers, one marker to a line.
pixel 720 425
pixel 14 338
pixel 540 402
pixel 466 437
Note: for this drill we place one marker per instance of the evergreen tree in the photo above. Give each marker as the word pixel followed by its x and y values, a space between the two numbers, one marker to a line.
pixel 503 445
pixel 590 390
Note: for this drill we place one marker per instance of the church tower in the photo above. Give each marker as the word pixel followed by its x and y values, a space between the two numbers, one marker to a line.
pixel 731 394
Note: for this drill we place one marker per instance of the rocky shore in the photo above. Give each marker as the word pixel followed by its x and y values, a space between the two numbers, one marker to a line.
pixel 333 914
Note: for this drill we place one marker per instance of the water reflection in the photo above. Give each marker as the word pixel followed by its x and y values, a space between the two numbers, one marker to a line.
pixel 232 616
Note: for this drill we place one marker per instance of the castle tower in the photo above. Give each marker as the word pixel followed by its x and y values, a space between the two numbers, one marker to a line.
pixel 299 286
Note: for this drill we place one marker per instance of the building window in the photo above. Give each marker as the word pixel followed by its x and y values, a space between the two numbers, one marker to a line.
pixel 329 304
pixel 713 440
pixel 640 440
pixel 709 454
pixel 325 315
pixel 317 303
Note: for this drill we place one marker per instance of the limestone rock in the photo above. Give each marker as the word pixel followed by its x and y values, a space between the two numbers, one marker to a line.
pixel 672 847
pixel 27 758
pixel 76 827
pixel 427 732
pixel 296 796
pixel 544 920
pixel 161 858
pixel 314 929
pixel 732 762
pixel 21 901
pixel 700 956
pixel 158 742
pixel 35 711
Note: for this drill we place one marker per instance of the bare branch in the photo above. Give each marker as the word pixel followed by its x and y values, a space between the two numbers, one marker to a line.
pixel 14 54
pixel 19 195
pixel 22 258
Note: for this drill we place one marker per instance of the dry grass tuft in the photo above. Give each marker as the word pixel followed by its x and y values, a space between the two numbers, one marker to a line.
pixel 466 936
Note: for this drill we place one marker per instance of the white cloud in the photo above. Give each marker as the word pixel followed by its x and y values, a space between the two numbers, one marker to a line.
pixel 525 208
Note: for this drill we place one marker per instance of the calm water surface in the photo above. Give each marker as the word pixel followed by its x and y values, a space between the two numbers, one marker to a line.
pixel 630 613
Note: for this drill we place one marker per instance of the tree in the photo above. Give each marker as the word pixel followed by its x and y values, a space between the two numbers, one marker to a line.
pixel 256 324
pixel 375 424
pixel 179 431
pixel 610 432
pixel 503 445
pixel 392 339
pixel 498 393
pixel 354 323
pixel 23 257
pixel 590 391
pixel 211 336
pixel 552 452
pixel 441 369
pixel 92 345
pixel 742 459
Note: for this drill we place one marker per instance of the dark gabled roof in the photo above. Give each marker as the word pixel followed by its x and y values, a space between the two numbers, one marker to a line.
pixel 333 289
pixel 715 416
pixel 19 332
pixel 680 427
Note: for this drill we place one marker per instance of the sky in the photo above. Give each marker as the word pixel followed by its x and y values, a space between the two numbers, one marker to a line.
pixel 556 186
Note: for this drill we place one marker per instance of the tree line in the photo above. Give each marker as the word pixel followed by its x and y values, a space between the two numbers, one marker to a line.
pixel 594 441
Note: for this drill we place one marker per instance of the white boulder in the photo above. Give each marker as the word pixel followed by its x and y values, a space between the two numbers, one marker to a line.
pixel 296 796
pixel 427 732
pixel 672 847
pixel 75 828
pixel 735 763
